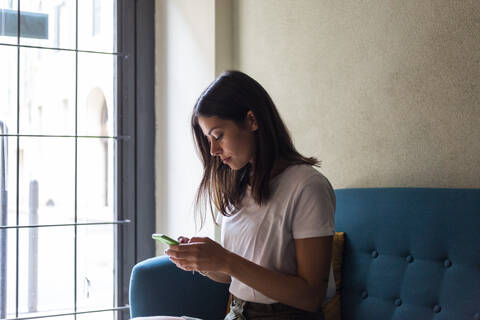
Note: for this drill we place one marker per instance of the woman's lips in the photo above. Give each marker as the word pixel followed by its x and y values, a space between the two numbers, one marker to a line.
pixel 226 159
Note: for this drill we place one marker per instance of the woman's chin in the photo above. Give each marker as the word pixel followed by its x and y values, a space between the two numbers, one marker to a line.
pixel 237 167
pixel 233 166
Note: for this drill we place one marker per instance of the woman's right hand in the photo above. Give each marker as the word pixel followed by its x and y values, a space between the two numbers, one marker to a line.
pixel 219 277
pixel 187 240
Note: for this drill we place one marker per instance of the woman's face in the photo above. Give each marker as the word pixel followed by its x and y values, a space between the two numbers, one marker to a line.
pixel 232 143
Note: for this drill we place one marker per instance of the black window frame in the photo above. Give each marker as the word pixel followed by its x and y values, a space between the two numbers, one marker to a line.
pixel 135 119
pixel 135 129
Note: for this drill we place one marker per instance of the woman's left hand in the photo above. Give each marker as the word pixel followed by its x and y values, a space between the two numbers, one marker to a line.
pixel 200 254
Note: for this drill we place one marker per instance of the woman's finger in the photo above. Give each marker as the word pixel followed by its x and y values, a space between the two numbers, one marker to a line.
pixel 183 239
pixel 183 268
pixel 179 262
pixel 182 265
pixel 177 254
pixel 187 248
pixel 199 239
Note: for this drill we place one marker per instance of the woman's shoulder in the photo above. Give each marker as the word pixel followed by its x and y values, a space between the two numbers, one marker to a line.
pixel 306 182
pixel 299 175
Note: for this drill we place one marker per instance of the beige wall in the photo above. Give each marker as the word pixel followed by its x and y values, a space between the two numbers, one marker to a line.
pixel 184 66
pixel 386 93
pixel 193 44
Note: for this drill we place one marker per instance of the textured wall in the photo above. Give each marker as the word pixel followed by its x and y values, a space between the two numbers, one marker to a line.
pixel 184 66
pixel 386 93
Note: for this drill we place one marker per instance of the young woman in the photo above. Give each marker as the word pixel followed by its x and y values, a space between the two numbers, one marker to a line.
pixel 277 211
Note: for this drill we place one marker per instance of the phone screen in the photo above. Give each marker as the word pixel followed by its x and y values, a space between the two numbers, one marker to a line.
pixel 165 239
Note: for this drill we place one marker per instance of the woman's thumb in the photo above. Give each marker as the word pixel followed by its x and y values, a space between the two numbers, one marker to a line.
pixel 183 239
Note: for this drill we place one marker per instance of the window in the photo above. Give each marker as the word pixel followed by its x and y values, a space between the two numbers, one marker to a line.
pixel 76 155
pixel 96 18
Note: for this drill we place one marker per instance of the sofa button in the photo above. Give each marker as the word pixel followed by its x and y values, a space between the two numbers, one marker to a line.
pixel 398 302
pixel 447 263
pixel 374 254
pixel 437 308
pixel 364 295
pixel 476 316
pixel 409 259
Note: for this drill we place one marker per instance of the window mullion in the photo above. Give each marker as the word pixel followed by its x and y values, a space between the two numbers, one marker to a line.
pixel 76 164
pixel 17 200
pixel 61 49
pixel 65 224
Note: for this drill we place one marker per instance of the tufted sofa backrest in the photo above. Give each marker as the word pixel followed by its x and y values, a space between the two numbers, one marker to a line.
pixel 410 253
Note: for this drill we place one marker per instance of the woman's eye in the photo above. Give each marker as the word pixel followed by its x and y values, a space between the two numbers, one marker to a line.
pixel 219 137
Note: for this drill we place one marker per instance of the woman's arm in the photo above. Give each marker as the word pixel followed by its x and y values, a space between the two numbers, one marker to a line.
pixel 305 291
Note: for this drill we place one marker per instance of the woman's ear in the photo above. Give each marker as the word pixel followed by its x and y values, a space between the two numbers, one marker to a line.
pixel 252 121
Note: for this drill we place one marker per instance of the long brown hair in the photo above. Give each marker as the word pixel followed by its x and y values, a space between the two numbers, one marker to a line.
pixel 230 97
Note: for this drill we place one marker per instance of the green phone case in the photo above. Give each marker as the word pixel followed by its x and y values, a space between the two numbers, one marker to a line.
pixel 165 239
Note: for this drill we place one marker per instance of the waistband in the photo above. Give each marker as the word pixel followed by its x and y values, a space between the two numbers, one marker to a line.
pixel 262 307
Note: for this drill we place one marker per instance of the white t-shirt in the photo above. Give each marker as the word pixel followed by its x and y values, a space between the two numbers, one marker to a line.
pixel 301 205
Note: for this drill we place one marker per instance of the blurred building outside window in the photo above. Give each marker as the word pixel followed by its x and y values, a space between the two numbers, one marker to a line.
pixel 58 106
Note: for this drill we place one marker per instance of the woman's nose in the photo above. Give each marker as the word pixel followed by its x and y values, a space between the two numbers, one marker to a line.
pixel 214 148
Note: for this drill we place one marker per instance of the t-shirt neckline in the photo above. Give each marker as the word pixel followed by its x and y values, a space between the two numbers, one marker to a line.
pixel 274 180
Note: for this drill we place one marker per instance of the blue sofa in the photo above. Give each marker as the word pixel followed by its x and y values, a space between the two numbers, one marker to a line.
pixel 410 253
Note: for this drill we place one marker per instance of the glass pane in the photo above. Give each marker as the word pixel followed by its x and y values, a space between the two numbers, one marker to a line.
pixel 95 183
pixel 8 267
pixel 8 216
pixel 48 23
pixel 8 22
pixel 8 181
pixel 8 87
pixel 97 25
pixel 95 267
pixel 47 180
pixel 106 315
pixel 95 94
pixel 46 270
pixel 47 92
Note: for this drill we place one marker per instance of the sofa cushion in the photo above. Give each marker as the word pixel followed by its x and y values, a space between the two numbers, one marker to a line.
pixel 337 258
pixel 159 287
pixel 410 253
pixel 333 308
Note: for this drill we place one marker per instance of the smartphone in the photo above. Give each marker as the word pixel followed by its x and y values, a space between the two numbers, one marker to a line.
pixel 165 239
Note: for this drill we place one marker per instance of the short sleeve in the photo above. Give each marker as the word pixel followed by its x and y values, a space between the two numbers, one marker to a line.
pixel 313 214
pixel 219 218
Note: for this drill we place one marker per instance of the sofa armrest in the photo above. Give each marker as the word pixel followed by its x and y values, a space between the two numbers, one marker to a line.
pixel 158 287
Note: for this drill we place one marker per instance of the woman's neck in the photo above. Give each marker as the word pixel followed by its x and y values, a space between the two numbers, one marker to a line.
pixel 278 168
